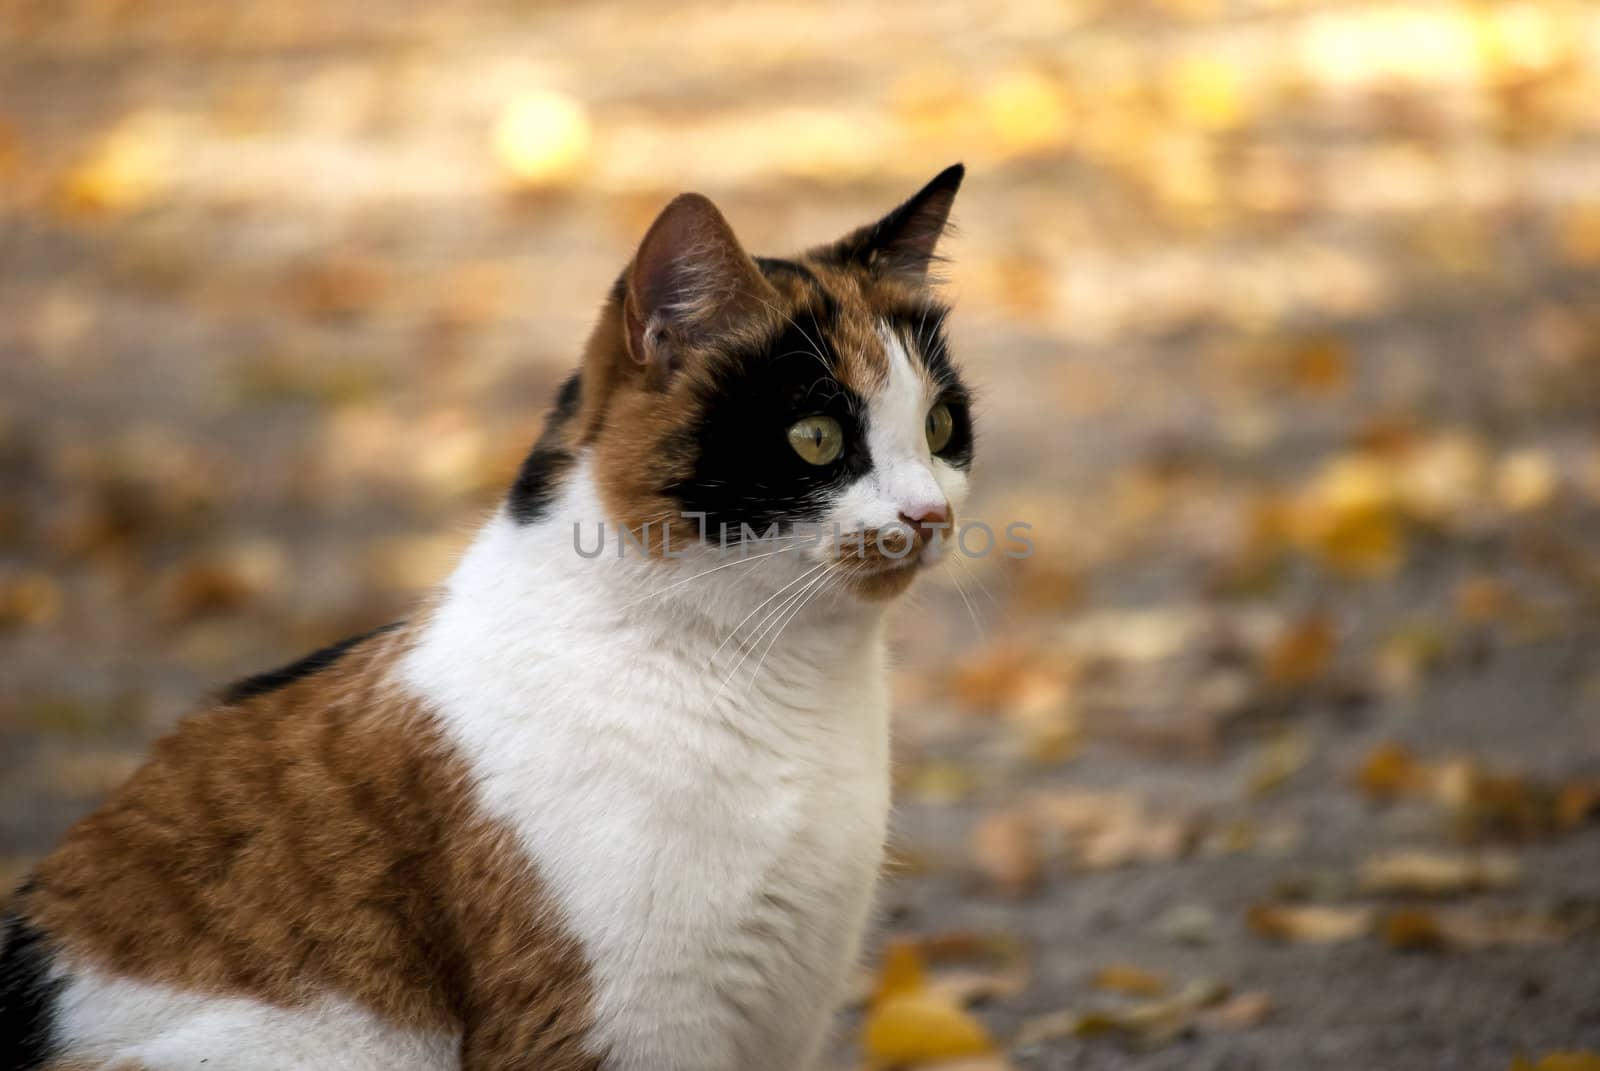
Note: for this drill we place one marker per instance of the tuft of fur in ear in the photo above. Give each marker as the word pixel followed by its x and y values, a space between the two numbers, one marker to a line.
pixel 689 282
pixel 903 243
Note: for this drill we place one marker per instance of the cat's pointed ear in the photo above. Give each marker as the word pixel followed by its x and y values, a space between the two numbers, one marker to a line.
pixel 905 242
pixel 689 281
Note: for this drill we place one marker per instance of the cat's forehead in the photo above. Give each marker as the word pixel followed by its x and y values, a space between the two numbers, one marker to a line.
pixel 844 313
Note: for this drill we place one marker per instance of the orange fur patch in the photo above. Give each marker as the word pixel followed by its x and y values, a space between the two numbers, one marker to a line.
pixel 320 839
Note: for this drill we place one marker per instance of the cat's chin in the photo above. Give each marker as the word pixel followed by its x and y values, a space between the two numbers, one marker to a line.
pixel 884 582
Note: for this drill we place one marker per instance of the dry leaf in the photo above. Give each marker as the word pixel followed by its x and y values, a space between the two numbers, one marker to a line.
pixel 1277 761
pixel 1469 927
pixel 1188 924
pixel 1130 981
pixel 1427 873
pixel 1302 653
pixel 1319 366
pixel 964 967
pixel 1388 771
pixel 902 972
pixel 921 1027
pixel 129 167
pixel 1309 924
pixel 1152 1022
pixel 1560 1061
pixel 1239 1013
pixel 1525 480
pixel 1412 930
pixel 1005 845
pixel 31 599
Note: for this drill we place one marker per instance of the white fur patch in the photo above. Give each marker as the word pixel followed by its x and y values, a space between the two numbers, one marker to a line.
pixel 905 477
pixel 113 1022
pixel 709 813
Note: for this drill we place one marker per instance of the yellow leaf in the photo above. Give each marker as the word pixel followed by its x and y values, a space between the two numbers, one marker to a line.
pixel 129 167
pixel 1569 1061
pixel 1350 517
pixel 1206 92
pixel 903 971
pixel 1027 112
pixel 921 1027
pixel 542 138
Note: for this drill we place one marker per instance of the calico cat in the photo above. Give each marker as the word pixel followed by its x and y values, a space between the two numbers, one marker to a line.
pixel 616 810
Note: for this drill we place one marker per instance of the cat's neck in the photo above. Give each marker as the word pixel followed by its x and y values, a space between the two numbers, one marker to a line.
pixel 528 593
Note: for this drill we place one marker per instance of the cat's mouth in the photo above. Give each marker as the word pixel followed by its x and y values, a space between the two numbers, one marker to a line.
pixel 882 565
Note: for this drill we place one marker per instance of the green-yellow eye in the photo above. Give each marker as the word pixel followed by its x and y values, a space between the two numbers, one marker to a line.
pixel 939 426
pixel 818 439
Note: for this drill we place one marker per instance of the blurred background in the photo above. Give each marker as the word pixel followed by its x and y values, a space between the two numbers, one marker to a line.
pixel 1284 749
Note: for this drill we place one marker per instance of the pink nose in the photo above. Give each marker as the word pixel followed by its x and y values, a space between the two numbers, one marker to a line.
pixel 926 513
pixel 925 521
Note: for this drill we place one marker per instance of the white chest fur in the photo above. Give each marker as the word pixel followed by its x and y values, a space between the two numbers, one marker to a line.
pixel 713 845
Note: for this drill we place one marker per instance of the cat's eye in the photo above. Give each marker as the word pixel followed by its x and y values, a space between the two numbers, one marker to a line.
pixel 818 439
pixel 939 426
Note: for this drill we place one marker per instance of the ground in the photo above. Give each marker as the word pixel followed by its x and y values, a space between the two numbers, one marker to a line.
pixel 1283 748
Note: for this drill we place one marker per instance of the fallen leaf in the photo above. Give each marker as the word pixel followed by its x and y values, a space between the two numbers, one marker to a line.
pixel 1240 1012
pixel 1560 1061
pixel 1319 366
pixel 920 1027
pixel 1412 930
pixel 1309 924
pixel 1152 1022
pixel 1302 653
pixel 1469 927
pixel 130 166
pixel 1525 480
pixel 1130 981
pixel 964 967
pixel 29 600
pixel 1277 761
pixel 902 972
pixel 1576 803
pixel 1188 924
pixel 1005 845
pixel 1425 873
pixel 1389 770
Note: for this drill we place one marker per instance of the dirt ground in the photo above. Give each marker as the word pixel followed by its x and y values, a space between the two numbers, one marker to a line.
pixel 1283 749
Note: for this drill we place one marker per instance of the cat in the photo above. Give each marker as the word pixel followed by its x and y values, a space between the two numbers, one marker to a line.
pixel 619 809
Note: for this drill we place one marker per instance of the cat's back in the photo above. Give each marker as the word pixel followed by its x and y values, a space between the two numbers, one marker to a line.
pixel 296 877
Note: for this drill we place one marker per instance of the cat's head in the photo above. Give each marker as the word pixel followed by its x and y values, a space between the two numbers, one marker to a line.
pixel 723 394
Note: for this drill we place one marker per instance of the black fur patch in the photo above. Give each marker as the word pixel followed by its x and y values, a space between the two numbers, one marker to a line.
pixel 313 663
pixel 827 308
pixel 27 997
pixel 745 471
pixel 535 487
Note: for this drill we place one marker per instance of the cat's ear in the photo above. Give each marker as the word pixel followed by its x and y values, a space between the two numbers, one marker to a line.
pixel 905 242
pixel 690 281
